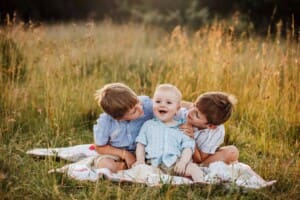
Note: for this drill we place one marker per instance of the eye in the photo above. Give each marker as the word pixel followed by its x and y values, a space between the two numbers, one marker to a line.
pixel 157 101
pixel 133 112
pixel 169 102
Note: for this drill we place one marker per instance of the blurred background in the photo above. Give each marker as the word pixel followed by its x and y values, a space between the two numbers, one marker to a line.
pixel 258 14
pixel 55 54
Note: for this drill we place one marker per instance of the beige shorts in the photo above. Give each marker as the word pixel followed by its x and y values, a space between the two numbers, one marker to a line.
pixel 167 170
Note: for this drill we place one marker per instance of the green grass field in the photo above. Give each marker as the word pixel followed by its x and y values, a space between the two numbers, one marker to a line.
pixel 49 73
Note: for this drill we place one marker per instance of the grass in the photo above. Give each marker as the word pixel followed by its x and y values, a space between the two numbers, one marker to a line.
pixel 49 74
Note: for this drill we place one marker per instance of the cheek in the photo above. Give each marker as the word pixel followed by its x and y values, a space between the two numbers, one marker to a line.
pixel 200 123
pixel 176 107
pixel 196 121
pixel 141 111
pixel 191 121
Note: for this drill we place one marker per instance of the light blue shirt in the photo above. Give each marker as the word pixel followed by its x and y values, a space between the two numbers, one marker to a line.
pixel 121 134
pixel 163 144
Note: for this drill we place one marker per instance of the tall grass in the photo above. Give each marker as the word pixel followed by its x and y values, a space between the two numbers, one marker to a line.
pixel 53 70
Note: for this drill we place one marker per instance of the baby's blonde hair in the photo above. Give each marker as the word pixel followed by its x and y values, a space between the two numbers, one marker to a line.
pixel 169 87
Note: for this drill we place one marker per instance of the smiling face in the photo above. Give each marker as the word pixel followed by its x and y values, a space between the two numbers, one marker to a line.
pixel 197 119
pixel 166 103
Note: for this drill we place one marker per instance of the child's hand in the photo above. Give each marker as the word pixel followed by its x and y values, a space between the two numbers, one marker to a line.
pixel 187 129
pixel 180 167
pixel 138 162
pixel 129 158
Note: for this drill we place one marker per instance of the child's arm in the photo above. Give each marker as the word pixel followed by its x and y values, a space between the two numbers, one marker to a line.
pixel 187 129
pixel 140 154
pixel 207 149
pixel 199 156
pixel 122 153
pixel 186 156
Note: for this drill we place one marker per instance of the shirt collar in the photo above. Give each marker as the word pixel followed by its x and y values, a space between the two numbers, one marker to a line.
pixel 178 122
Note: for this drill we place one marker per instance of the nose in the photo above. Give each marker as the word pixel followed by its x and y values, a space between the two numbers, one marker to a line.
pixel 161 104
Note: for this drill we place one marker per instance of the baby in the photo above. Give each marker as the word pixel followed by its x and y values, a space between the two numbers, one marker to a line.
pixel 161 141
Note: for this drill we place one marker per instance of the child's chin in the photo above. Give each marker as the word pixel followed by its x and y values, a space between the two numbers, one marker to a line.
pixel 160 118
pixel 165 119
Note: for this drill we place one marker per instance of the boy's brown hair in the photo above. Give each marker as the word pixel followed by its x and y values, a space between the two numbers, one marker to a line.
pixel 216 106
pixel 116 99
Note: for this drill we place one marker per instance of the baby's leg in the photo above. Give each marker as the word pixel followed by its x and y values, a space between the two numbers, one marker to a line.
pixel 111 164
pixel 195 171
pixel 227 154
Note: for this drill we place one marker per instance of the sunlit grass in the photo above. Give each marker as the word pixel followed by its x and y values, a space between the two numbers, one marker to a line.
pixel 50 103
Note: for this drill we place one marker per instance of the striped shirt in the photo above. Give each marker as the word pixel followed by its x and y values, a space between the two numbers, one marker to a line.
pixel 207 140
pixel 163 144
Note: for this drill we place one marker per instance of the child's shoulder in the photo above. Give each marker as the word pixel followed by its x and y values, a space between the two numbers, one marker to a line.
pixel 181 114
pixel 104 117
pixel 147 104
pixel 144 98
pixel 150 122
pixel 219 130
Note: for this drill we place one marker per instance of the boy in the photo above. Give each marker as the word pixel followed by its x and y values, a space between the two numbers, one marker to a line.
pixel 161 141
pixel 117 128
pixel 207 116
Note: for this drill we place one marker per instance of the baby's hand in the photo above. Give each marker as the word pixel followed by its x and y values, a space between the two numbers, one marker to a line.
pixel 180 167
pixel 187 129
pixel 138 162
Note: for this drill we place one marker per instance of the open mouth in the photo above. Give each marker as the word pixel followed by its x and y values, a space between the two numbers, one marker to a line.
pixel 162 111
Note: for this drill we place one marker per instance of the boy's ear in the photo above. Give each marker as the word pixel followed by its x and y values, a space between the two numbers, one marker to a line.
pixel 211 126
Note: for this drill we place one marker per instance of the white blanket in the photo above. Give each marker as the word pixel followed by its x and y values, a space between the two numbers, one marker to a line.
pixel 82 168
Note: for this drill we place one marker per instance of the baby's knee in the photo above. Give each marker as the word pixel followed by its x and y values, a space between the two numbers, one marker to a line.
pixel 192 168
pixel 195 172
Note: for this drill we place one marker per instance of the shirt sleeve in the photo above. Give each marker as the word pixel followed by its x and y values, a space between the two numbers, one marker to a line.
pixel 211 139
pixel 188 142
pixel 181 114
pixel 102 130
pixel 147 106
pixel 142 137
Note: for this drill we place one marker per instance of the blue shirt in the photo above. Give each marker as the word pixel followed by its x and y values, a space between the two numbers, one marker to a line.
pixel 121 134
pixel 163 144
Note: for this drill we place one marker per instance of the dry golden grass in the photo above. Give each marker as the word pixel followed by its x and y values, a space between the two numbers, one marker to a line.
pixel 52 105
